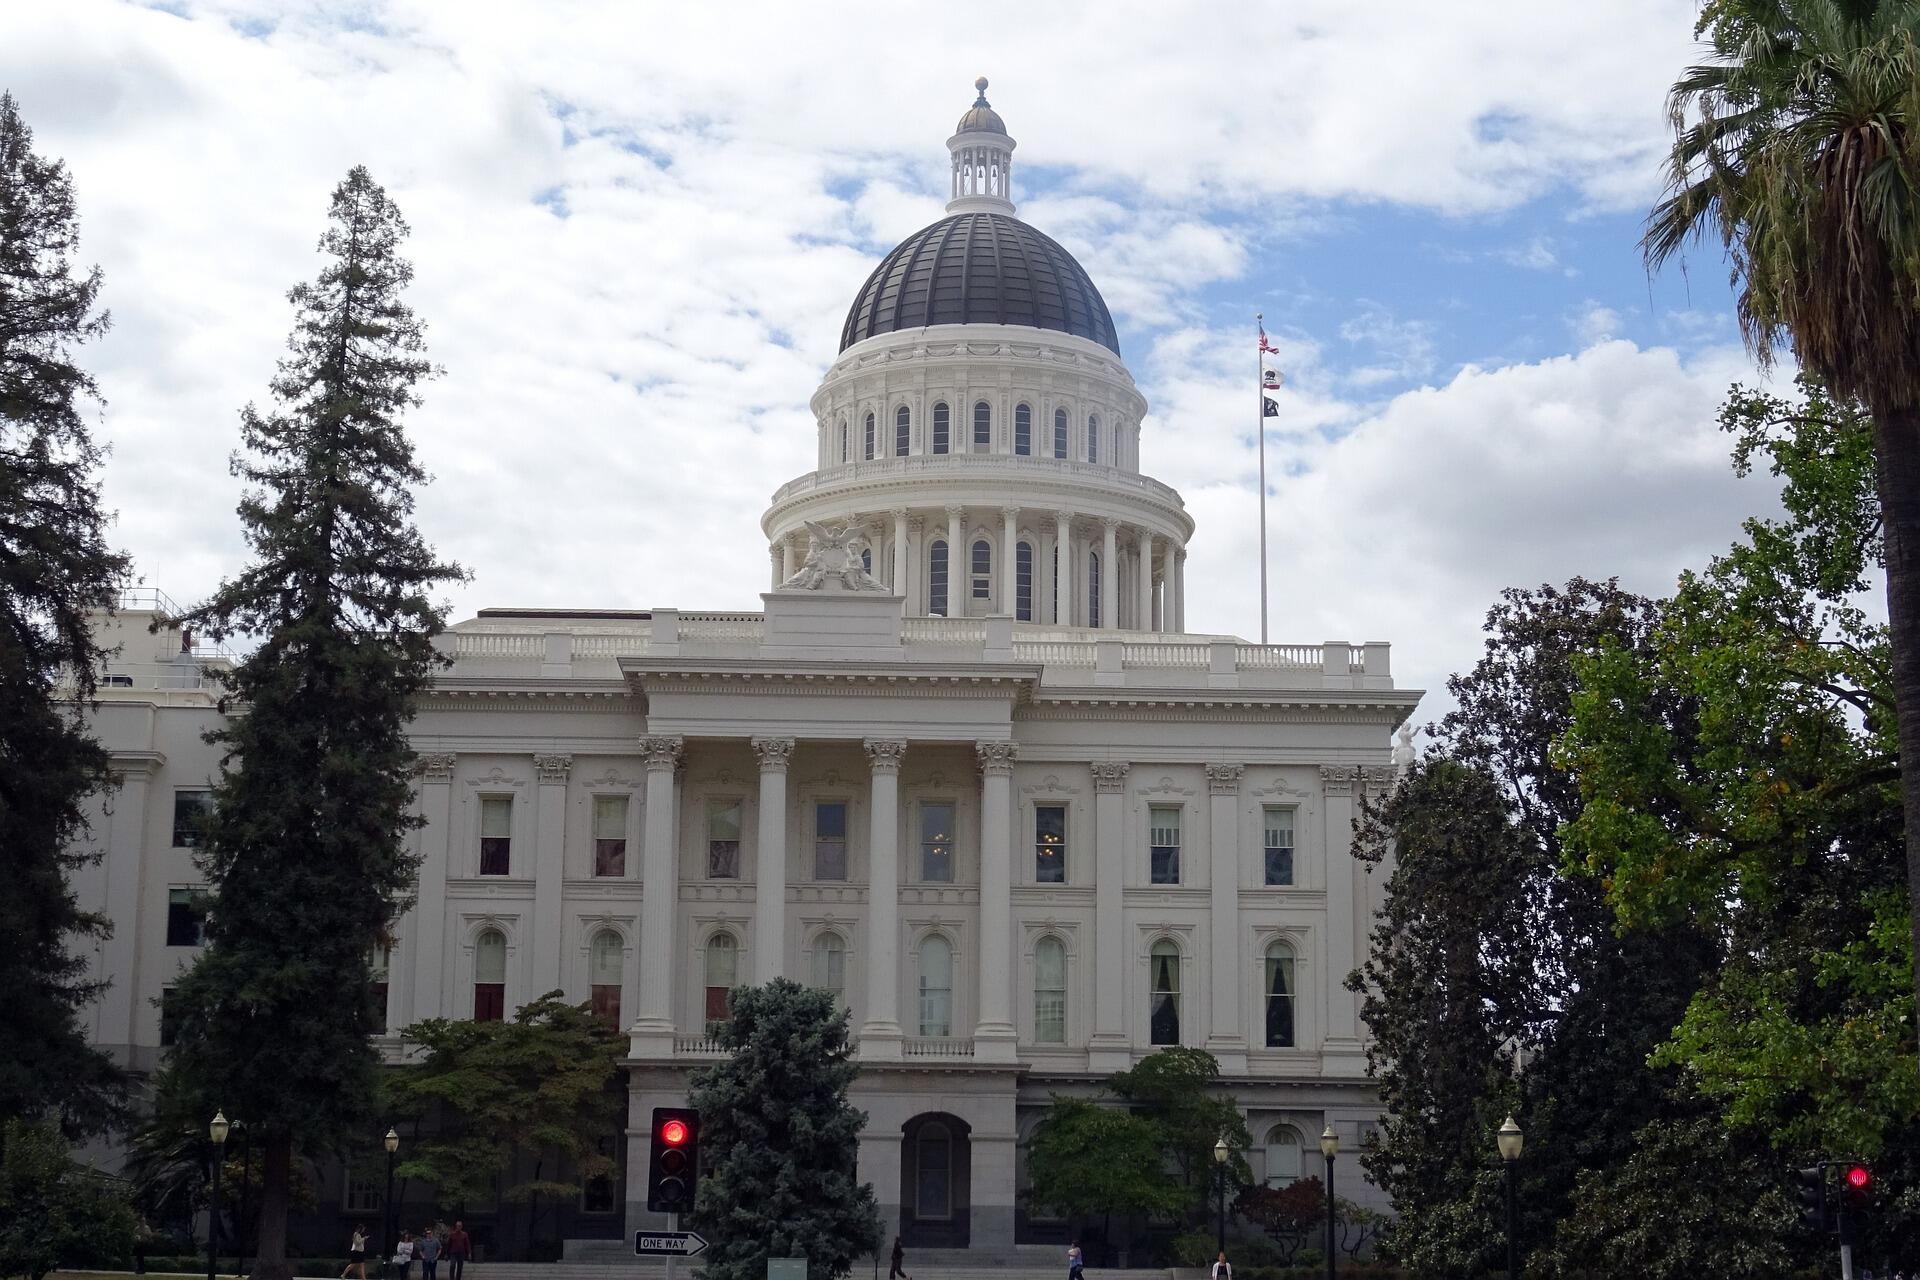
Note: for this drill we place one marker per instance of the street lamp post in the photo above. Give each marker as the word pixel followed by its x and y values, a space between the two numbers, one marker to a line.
pixel 1221 1154
pixel 1510 1141
pixel 392 1143
pixel 216 1130
pixel 1330 1147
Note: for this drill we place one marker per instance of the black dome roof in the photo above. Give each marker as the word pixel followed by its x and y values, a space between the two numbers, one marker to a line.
pixel 979 268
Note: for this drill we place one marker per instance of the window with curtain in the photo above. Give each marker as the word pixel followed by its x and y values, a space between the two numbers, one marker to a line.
pixel 982 427
pixel 933 1167
pixel 1050 992
pixel 1280 996
pixel 1093 437
pixel 1059 433
pixel 936 841
pixel 1023 429
pixel 190 812
pixel 379 971
pixel 1163 844
pixel 942 428
pixel 1050 844
pixel 186 917
pixel 937 578
pixel 610 835
pixel 1023 581
pixel 723 970
pixel 830 966
pixel 606 956
pixel 869 437
pixel 936 986
pixel 490 976
pixel 982 576
pixel 496 835
pixel 1278 844
pixel 902 431
pixel 1283 1156
pixel 1093 588
pixel 1163 999
pixel 723 839
pixel 830 840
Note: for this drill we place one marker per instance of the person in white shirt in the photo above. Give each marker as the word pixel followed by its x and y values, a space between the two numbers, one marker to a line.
pixel 1222 1269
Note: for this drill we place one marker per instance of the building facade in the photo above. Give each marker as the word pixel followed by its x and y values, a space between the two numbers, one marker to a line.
pixel 965 768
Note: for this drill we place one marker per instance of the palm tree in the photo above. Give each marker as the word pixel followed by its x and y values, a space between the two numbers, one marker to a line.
pixel 1795 145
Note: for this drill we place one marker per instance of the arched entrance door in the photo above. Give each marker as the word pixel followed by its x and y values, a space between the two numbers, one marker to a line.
pixel 936 1178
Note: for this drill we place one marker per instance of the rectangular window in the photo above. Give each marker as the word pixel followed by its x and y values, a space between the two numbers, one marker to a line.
pixel 723 839
pixel 610 835
pixel 361 1190
pixel 1279 845
pixel 186 918
pixel 982 571
pixel 496 835
pixel 1163 837
pixel 599 1194
pixel 936 842
pixel 379 968
pixel 1050 844
pixel 169 1017
pixel 830 840
pixel 189 812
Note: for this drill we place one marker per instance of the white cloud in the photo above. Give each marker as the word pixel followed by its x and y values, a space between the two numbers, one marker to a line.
pixel 1593 323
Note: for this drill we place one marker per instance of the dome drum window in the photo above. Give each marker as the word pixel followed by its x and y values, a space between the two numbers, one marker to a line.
pixel 902 431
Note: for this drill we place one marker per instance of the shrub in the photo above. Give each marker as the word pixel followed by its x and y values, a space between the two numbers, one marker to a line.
pixel 1193 1249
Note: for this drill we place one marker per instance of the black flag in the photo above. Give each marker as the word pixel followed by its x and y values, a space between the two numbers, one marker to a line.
pixel 1271 410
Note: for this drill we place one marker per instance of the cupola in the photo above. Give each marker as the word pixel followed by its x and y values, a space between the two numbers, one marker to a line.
pixel 982 160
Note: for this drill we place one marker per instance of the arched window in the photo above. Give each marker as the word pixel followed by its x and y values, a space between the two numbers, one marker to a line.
pixel 830 966
pixel 723 968
pixel 1093 588
pixel 936 986
pixel 606 955
pixel 490 976
pixel 933 1165
pixel 869 437
pixel 866 559
pixel 902 431
pixel 1163 1000
pixel 1059 433
pixel 1280 996
pixel 1283 1156
pixel 846 441
pixel 1023 429
pixel 1050 992
pixel 982 570
pixel 1023 581
pixel 942 428
pixel 937 579
pixel 982 427
pixel 1093 437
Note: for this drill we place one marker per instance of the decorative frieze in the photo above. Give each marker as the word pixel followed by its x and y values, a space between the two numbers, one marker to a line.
pixel 1224 779
pixel 432 766
pixel 661 751
pixel 995 757
pixel 554 768
pixel 1338 779
pixel 885 754
pixel 1110 775
pixel 774 753
pixel 1378 779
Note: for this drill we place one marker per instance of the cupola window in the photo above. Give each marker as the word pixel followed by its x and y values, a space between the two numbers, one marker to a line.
pixel 942 437
pixel 869 437
pixel 1093 437
pixel 902 431
pixel 1059 433
pixel 1023 430
pixel 982 427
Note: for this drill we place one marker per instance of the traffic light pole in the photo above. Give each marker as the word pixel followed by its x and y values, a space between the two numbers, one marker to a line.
pixel 1846 1237
pixel 673 1224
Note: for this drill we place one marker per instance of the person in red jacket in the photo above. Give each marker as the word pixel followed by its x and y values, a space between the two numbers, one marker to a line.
pixel 459 1249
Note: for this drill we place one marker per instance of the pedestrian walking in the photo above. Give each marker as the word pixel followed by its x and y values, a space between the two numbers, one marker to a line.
pixel 427 1249
pixel 403 1255
pixel 1222 1269
pixel 459 1249
pixel 1075 1260
pixel 356 1254
pixel 898 1271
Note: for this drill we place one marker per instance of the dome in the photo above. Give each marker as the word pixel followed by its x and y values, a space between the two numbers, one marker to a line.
pixel 981 118
pixel 979 268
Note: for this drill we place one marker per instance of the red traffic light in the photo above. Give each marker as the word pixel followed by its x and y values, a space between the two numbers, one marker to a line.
pixel 673 1132
pixel 1858 1178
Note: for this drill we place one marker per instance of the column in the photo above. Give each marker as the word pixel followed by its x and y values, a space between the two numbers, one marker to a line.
pixel 549 868
pixel 1179 597
pixel 880 1034
pixel 959 564
pixel 1009 560
pixel 1342 1042
pixel 787 565
pixel 121 1008
pixel 429 935
pixel 1107 1051
pixel 916 556
pixel 1110 574
pixel 1226 1032
pixel 1143 611
pixel 773 554
pixel 660 875
pixel 770 874
pixel 993 1036
pixel 1063 567
pixel 899 578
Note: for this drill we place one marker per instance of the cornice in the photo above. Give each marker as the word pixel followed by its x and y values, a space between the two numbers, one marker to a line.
pixel 1287 706
pixel 698 675
pixel 1000 486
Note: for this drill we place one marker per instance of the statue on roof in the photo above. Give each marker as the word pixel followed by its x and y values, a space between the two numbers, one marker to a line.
pixel 834 561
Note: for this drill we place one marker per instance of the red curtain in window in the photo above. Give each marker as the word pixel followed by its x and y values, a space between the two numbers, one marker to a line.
pixel 489 1001
pixel 606 1002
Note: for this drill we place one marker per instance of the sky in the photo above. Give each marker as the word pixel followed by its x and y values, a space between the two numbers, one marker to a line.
pixel 637 226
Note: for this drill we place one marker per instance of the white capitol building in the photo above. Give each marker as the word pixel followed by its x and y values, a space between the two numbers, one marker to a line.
pixel 965 767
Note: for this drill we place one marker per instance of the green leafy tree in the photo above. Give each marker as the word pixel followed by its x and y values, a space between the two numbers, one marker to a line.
pixel 1090 1162
pixel 54 1211
pixel 55 567
pixel 779 1141
pixel 305 847
pixel 520 1104
pixel 1177 1090
pixel 1796 148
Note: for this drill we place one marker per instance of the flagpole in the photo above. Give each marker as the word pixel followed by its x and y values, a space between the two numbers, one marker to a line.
pixel 1260 426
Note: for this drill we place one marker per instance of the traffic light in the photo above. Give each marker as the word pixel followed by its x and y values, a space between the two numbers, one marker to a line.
pixel 1810 1194
pixel 1855 1184
pixel 673 1167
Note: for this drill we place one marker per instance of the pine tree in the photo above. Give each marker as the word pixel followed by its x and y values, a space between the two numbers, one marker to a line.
pixel 55 566
pixel 305 849
pixel 779 1140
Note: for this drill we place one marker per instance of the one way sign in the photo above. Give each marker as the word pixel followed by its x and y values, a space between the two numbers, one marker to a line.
pixel 672 1244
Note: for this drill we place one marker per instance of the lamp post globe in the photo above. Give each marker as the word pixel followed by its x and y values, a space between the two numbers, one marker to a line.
pixel 1330 1147
pixel 1511 1141
pixel 217 1130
